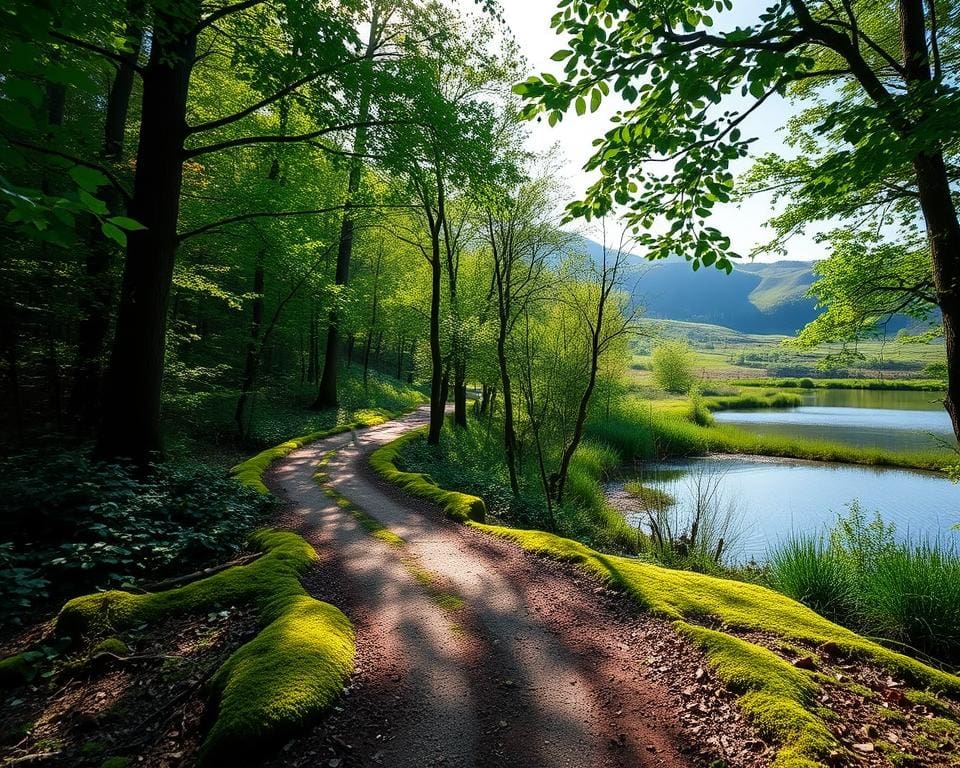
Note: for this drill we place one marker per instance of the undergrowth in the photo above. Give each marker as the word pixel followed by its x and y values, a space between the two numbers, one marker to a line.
pixel 290 672
pixel 72 525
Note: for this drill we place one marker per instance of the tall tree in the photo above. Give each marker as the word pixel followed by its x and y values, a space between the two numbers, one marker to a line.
pixel 379 19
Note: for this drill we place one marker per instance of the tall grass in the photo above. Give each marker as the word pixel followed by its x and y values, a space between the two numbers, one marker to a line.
pixel 905 593
pixel 693 534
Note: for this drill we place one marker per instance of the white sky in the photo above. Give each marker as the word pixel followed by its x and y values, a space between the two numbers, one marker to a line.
pixel 529 21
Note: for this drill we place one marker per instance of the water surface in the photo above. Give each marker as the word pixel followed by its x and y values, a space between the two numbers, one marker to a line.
pixel 776 498
pixel 891 419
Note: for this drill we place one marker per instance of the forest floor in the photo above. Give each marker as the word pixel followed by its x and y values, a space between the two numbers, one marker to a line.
pixel 472 652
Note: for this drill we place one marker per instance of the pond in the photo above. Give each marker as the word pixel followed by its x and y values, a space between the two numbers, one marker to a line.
pixel 892 419
pixel 776 498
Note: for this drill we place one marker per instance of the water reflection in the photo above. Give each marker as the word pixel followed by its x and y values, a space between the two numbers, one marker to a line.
pixel 895 420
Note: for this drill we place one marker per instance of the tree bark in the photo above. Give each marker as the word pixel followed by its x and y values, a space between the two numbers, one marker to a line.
pixel 327 391
pixel 96 301
pixel 131 421
pixel 252 360
pixel 936 203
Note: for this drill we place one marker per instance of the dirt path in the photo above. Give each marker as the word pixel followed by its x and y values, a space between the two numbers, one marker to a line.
pixel 504 660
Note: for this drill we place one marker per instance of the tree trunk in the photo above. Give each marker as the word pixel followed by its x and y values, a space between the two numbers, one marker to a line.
pixel 327 391
pixel 413 361
pixel 313 352
pixel 366 357
pixel 252 360
pixel 509 429
pixel 936 203
pixel 131 422
pixel 96 301
pixel 460 394
pixel 399 357
pixel 437 395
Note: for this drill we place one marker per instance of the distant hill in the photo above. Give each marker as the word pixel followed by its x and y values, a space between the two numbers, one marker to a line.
pixel 754 298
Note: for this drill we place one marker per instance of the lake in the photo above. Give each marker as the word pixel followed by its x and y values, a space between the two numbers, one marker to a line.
pixel 776 498
pixel 892 419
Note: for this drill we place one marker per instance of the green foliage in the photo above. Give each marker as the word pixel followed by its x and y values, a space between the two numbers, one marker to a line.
pixel 73 524
pixel 906 593
pixel 290 672
pixel 699 412
pixel 901 283
pixel 811 572
pixel 672 365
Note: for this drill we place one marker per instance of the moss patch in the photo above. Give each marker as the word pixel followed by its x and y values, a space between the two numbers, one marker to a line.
pixel 457 506
pixel 289 673
pixel 15 671
pixel 250 472
pixel 774 695
pixel 112 645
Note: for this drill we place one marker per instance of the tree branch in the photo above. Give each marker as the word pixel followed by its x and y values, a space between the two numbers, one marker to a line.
pixel 119 58
pixel 114 181
pixel 214 225
pixel 281 139
pixel 224 11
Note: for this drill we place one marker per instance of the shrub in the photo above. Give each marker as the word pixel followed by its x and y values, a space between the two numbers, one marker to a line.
pixel 906 593
pixel 672 365
pixel 82 525
pixel 808 570
pixel 698 411
pixel 806 383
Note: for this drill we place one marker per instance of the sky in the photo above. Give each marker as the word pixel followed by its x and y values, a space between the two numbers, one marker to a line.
pixel 529 21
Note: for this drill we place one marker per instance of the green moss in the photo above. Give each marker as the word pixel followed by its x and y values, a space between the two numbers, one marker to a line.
pixel 281 679
pixel 928 700
pixel 457 506
pixel 250 472
pixel 112 645
pixel 115 762
pixel 897 758
pixel 774 695
pixel 15 671
pixel 941 731
pixel 287 674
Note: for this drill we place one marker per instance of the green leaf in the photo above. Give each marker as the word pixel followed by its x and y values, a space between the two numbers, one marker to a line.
pixel 114 233
pixel 124 222
pixel 88 178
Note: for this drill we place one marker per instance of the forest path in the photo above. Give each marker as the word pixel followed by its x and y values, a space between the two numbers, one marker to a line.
pixel 503 660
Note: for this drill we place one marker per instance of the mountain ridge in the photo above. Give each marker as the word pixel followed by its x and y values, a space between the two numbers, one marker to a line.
pixel 757 297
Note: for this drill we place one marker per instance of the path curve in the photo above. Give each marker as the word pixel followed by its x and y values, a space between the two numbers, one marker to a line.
pixel 533 669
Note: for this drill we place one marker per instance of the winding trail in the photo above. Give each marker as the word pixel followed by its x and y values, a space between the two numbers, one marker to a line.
pixel 534 664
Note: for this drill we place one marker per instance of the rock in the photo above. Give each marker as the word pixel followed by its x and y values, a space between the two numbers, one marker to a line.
pixel 805 662
pixel 866 748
